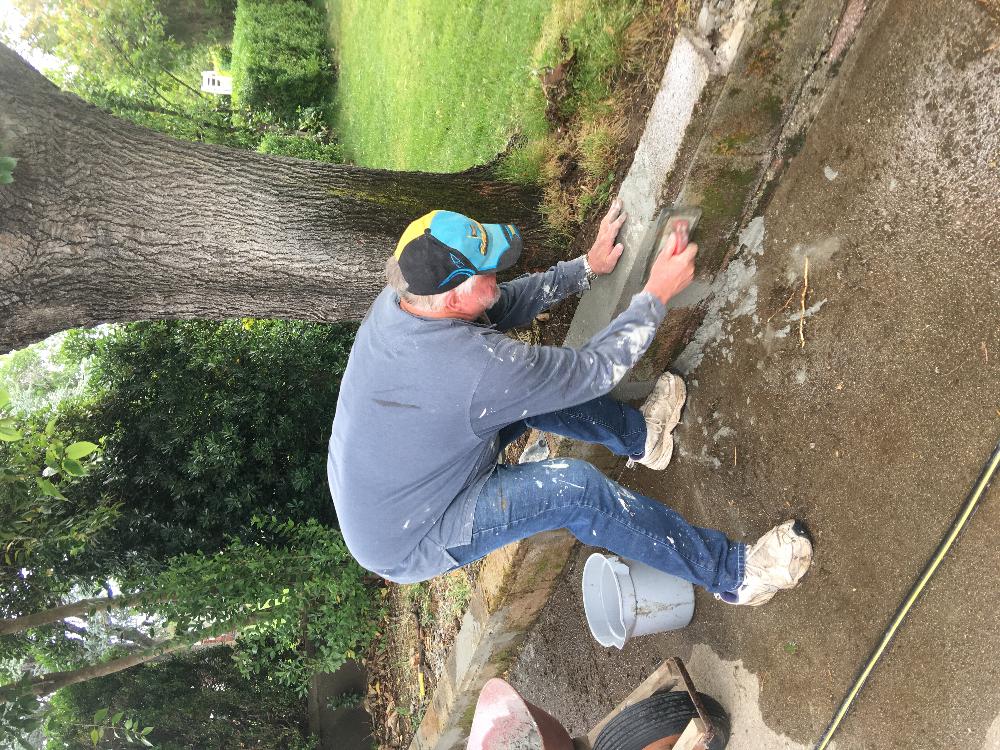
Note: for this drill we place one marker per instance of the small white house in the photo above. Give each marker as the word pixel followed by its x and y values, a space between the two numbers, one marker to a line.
pixel 216 83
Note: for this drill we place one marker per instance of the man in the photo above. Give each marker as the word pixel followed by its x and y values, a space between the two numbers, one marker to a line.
pixel 434 391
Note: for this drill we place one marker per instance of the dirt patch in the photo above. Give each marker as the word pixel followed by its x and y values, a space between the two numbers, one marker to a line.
pixel 409 654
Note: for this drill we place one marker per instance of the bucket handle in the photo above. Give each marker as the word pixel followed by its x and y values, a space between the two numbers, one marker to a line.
pixel 617 565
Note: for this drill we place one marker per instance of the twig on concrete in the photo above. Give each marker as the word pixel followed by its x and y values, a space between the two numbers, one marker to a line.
pixel 965 359
pixel 957 367
pixel 805 290
pixel 784 306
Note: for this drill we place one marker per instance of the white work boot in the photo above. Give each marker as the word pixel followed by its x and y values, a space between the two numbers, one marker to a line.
pixel 662 411
pixel 776 561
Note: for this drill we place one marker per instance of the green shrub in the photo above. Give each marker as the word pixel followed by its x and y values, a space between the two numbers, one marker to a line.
pixel 280 60
pixel 44 527
pixel 320 613
pixel 294 593
pixel 207 425
pixel 192 700
pixel 301 147
pixel 222 57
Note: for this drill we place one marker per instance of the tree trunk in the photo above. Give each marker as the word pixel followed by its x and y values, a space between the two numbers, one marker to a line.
pixel 47 684
pixel 74 609
pixel 126 636
pixel 108 222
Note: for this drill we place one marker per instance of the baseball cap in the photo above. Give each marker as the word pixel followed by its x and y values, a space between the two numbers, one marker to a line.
pixel 440 250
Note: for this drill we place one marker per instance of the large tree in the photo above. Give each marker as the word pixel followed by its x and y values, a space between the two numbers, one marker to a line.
pixel 109 222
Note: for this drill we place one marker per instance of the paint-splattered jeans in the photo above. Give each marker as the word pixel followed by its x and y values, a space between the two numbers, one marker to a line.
pixel 565 493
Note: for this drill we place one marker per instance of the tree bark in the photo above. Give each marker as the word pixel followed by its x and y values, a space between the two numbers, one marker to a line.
pixel 74 609
pixel 129 637
pixel 109 222
pixel 47 684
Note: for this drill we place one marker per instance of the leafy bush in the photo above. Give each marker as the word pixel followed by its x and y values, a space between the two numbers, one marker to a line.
pixel 280 60
pixel 40 528
pixel 208 425
pixel 221 56
pixel 301 147
pixel 194 21
pixel 321 612
pixel 194 700
pixel 292 592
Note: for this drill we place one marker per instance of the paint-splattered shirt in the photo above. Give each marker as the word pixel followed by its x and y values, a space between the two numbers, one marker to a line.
pixel 421 403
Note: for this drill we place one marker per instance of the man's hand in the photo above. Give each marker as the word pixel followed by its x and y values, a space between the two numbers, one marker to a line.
pixel 604 255
pixel 673 268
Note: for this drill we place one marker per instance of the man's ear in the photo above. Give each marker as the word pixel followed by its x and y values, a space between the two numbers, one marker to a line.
pixel 452 302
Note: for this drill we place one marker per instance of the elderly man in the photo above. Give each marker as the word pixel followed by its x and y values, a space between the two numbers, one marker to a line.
pixel 434 391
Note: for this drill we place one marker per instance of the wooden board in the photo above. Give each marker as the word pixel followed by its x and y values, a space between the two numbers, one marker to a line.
pixel 691 738
pixel 664 677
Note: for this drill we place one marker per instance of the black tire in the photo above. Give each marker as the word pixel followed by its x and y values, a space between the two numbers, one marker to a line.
pixel 661 715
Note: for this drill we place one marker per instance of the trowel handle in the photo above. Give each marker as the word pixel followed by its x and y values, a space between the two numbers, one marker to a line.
pixel 681 228
pixel 668 221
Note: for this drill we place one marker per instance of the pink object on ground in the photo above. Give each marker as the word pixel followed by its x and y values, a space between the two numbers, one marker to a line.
pixel 506 721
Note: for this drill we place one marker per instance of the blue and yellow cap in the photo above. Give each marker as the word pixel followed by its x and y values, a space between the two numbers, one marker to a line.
pixel 440 250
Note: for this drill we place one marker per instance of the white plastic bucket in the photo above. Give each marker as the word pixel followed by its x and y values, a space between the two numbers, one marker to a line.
pixel 624 598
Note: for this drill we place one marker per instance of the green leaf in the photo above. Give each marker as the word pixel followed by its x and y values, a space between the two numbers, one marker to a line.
pixel 50 490
pixel 7 163
pixel 10 436
pixel 73 467
pixel 146 730
pixel 117 717
pixel 100 716
pixel 6 178
pixel 95 737
pixel 50 427
pixel 4 398
pixel 80 450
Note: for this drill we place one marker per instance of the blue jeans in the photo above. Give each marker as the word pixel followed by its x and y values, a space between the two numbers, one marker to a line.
pixel 519 500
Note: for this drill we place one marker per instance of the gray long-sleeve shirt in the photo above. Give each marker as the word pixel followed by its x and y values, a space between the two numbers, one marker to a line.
pixel 422 400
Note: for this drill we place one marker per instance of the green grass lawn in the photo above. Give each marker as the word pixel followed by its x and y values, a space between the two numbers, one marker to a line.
pixel 442 85
pixel 434 85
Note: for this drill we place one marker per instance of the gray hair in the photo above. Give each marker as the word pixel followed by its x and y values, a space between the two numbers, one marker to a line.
pixel 430 302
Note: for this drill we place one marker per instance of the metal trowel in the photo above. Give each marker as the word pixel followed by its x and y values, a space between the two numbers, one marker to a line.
pixel 666 220
pixel 652 244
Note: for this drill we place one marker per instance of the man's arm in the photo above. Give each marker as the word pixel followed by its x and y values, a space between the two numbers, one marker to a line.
pixel 526 296
pixel 521 381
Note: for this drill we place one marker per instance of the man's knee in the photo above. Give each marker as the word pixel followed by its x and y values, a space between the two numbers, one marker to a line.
pixel 589 483
pixel 575 467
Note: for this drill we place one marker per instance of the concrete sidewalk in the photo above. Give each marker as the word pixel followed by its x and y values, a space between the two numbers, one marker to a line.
pixel 872 432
